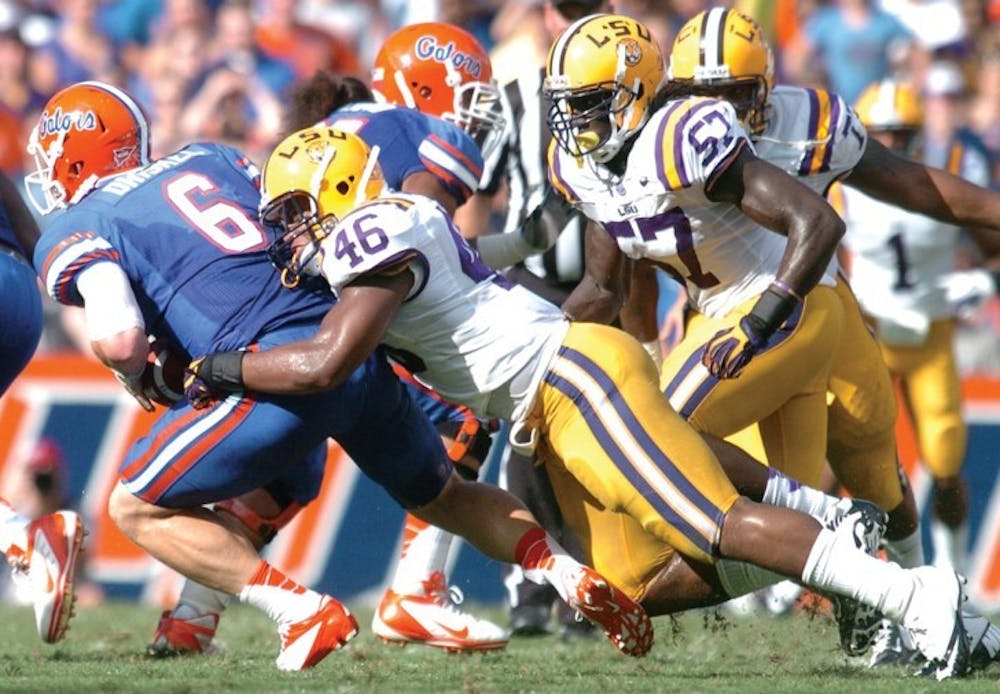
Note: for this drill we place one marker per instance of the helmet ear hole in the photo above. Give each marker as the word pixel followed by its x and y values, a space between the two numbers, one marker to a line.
pixel 343 187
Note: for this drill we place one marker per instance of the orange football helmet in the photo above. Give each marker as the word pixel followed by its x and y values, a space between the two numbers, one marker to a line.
pixel 443 71
pixel 87 131
pixel 723 53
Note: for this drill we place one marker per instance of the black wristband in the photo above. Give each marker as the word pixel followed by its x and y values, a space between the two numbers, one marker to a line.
pixel 771 310
pixel 223 370
pixel 995 274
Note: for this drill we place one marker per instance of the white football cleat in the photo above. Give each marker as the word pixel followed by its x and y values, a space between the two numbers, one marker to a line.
pixel 781 598
pixel 934 620
pixel 305 643
pixel 984 640
pixel 191 636
pixel 48 567
pixel 432 619
pixel 893 645
pixel 863 523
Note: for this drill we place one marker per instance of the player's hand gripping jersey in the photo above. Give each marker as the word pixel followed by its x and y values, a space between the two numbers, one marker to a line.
pixel 444 332
pixel 412 142
pixel 188 221
pixel 658 209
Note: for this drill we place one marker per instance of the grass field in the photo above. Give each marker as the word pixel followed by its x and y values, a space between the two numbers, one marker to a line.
pixel 697 653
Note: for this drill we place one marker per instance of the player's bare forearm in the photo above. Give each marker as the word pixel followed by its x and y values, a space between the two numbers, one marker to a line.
pixel 599 296
pixel 349 333
pixel 886 176
pixel 428 185
pixel 592 303
pixel 781 203
pixel 638 314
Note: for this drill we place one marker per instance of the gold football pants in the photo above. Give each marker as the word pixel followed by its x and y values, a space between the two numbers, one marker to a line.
pixel 933 397
pixel 783 388
pixel 633 480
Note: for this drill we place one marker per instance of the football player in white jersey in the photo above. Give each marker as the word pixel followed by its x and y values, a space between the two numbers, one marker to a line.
pixel 585 395
pixel 901 266
pixel 677 184
pixel 815 136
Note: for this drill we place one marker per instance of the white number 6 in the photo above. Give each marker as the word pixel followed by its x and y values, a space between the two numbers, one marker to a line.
pixel 226 225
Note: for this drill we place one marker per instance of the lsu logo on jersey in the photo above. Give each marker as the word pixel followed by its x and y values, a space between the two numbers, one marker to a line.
pixel 62 122
pixel 428 48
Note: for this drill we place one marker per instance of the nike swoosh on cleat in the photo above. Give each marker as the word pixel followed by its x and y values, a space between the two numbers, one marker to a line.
pixel 296 654
pixel 461 634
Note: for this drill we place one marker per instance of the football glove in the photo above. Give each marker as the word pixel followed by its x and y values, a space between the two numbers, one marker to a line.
pixel 967 290
pixel 133 384
pixel 537 233
pixel 729 351
pixel 209 378
pixel 541 228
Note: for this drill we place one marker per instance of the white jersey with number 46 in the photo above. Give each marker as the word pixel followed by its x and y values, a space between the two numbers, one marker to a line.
pixel 465 330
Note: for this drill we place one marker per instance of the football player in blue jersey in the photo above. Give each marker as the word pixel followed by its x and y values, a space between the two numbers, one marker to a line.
pixel 173 248
pixel 49 573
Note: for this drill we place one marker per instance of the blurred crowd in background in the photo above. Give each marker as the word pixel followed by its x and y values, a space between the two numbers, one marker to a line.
pixel 220 69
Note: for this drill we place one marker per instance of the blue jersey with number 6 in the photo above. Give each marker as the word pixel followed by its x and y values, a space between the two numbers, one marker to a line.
pixel 185 231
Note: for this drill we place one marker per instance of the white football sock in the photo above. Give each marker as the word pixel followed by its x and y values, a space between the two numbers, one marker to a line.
pixel 196 600
pixel 786 492
pixel 284 600
pixel 545 561
pixel 908 552
pixel 836 565
pixel 425 552
pixel 13 528
pixel 740 578
pixel 950 545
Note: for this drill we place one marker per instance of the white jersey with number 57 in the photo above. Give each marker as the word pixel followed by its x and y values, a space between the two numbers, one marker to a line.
pixel 658 209
pixel 465 330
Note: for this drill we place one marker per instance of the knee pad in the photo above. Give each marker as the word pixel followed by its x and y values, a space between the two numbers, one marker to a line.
pixel 264 528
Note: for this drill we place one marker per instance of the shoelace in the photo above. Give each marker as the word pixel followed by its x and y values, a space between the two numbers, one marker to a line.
pixel 19 568
pixel 447 596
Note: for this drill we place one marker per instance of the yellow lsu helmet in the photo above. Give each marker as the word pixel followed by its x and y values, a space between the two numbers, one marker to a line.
pixel 312 179
pixel 890 105
pixel 601 74
pixel 722 53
